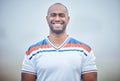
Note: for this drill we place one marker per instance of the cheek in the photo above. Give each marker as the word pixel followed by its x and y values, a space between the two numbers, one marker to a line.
pixel 65 20
pixel 49 20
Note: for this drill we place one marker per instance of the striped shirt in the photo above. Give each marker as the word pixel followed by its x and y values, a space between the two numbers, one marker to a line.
pixel 64 63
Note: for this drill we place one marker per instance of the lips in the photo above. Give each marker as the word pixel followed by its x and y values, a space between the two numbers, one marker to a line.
pixel 57 22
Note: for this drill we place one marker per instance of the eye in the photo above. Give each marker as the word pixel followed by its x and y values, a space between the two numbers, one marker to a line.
pixel 52 14
pixel 62 15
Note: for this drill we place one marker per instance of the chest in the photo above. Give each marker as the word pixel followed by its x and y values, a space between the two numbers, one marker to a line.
pixel 59 61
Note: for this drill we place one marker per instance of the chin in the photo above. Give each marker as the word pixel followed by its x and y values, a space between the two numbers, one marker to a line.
pixel 58 29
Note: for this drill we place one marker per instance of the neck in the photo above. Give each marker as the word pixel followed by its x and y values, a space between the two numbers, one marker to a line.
pixel 57 39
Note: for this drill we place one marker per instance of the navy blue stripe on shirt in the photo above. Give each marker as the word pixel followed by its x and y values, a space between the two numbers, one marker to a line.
pixel 57 51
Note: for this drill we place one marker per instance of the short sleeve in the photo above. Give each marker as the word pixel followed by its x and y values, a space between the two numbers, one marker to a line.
pixel 28 66
pixel 89 63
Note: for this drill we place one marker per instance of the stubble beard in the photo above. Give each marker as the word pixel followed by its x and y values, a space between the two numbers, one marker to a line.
pixel 57 31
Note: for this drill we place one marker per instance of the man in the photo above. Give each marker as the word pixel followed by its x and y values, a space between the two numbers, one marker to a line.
pixel 59 57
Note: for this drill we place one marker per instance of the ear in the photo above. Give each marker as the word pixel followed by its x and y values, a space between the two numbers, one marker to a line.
pixel 68 19
pixel 47 18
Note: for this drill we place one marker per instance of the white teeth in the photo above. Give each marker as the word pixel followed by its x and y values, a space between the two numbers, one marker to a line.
pixel 57 24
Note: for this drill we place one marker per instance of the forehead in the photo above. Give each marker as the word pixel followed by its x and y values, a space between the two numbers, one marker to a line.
pixel 57 9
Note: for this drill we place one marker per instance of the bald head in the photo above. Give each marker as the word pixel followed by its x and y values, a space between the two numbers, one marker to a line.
pixel 57 4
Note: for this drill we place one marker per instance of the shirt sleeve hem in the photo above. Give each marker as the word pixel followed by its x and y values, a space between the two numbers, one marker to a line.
pixel 23 71
pixel 89 71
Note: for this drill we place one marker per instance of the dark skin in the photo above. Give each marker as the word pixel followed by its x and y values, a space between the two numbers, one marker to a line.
pixel 58 13
pixel 28 77
pixel 92 76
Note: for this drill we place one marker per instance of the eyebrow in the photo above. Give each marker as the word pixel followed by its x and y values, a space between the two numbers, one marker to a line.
pixel 57 14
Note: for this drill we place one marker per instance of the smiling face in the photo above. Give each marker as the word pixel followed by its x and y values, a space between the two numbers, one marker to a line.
pixel 57 18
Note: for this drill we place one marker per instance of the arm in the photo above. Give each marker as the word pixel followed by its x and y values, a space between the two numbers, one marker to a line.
pixel 89 68
pixel 28 77
pixel 92 76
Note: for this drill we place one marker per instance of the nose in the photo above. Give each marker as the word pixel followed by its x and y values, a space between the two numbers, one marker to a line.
pixel 57 18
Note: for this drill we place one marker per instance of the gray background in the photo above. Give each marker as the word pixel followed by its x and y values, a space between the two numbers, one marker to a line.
pixel 95 22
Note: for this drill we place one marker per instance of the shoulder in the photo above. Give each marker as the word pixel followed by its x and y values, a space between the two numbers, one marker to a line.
pixel 36 46
pixel 42 42
pixel 80 44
